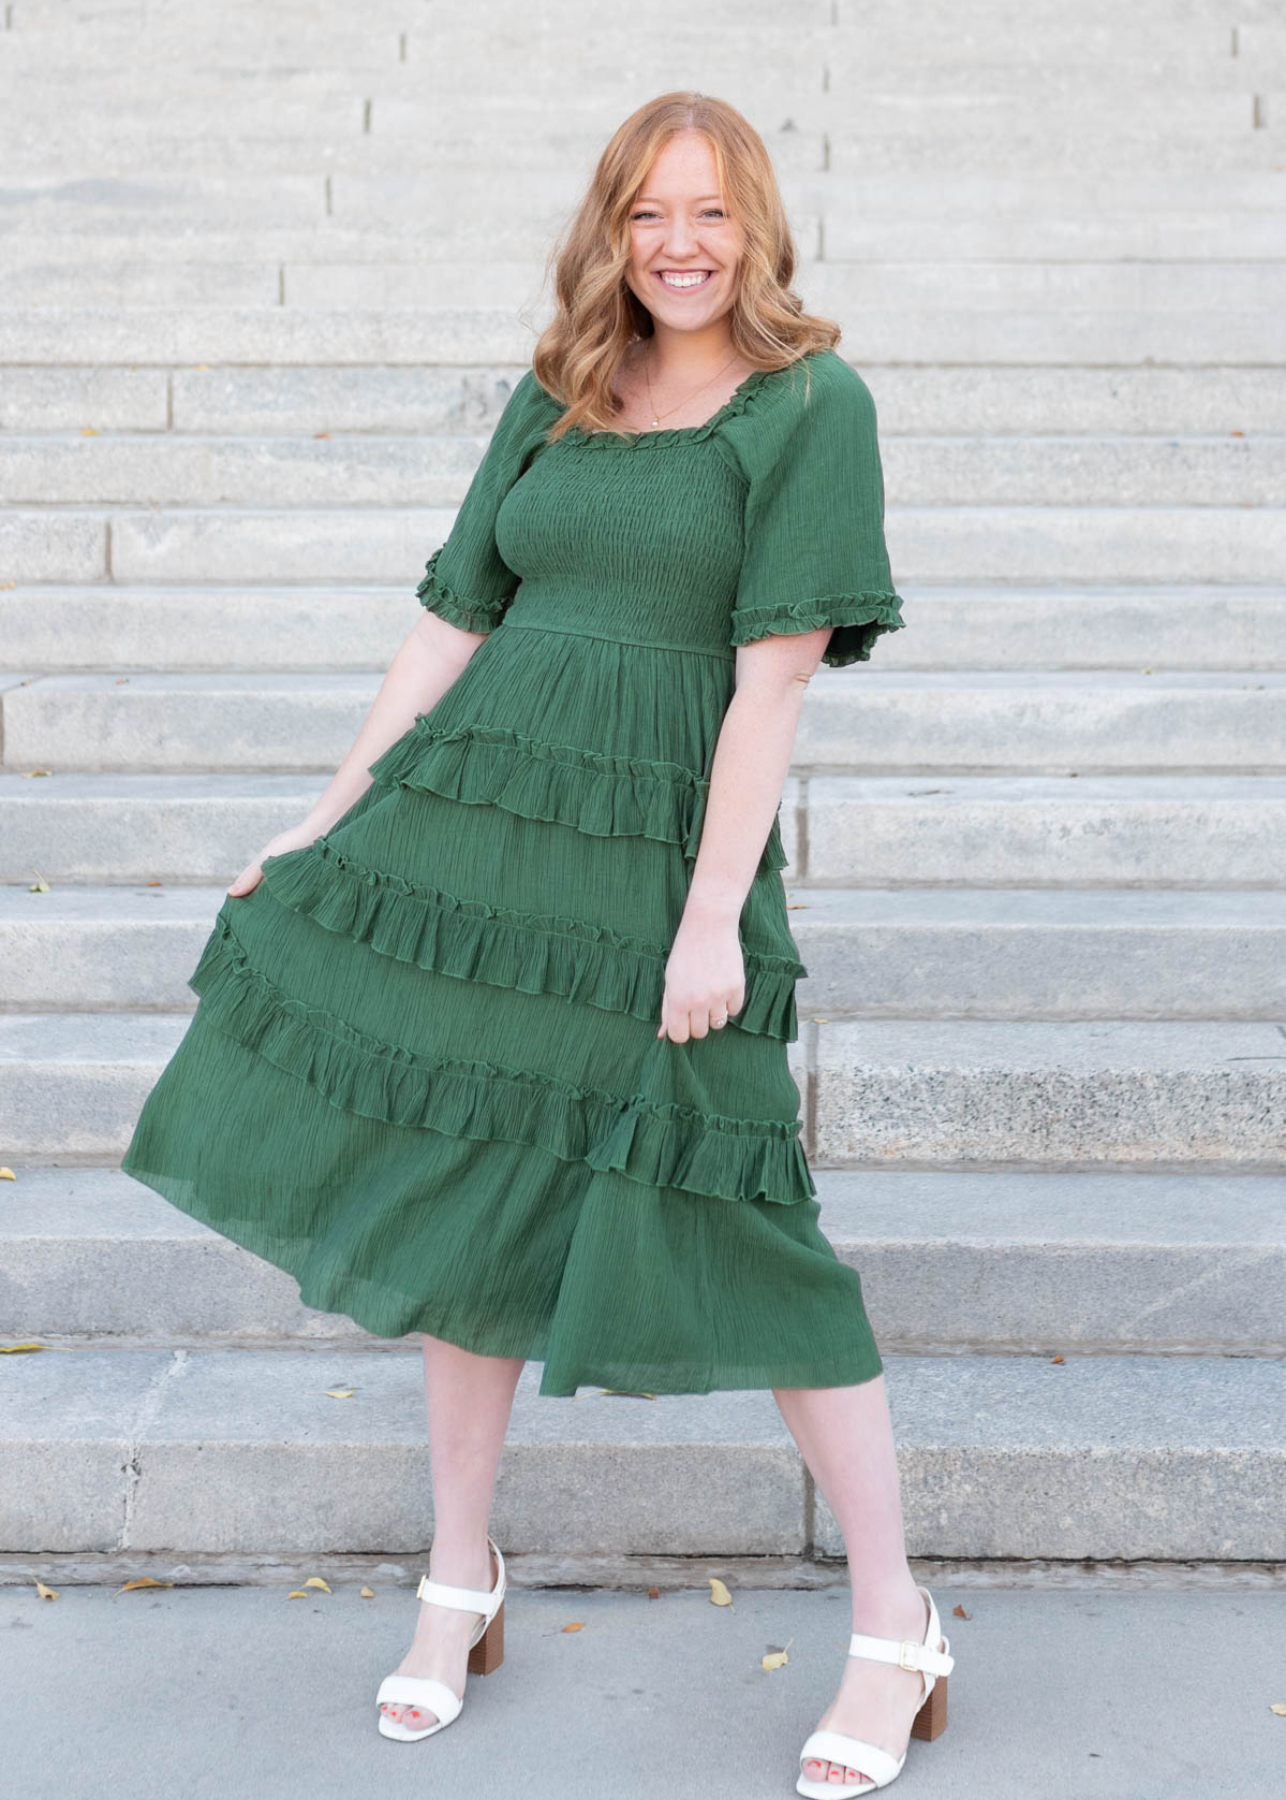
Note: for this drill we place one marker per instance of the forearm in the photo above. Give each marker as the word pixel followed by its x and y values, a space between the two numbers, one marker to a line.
pixel 751 761
pixel 431 658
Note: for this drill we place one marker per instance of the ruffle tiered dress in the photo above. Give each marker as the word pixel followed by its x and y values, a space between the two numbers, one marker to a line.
pixel 423 1075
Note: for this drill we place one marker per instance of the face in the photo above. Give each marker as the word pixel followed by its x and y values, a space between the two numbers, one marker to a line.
pixel 685 249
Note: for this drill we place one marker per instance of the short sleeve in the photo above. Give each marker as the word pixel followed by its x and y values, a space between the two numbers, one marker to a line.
pixel 466 580
pixel 814 550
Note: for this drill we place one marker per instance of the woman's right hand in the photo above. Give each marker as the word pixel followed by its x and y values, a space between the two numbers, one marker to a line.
pixel 296 837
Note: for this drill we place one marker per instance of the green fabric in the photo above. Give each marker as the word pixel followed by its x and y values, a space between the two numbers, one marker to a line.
pixel 423 1075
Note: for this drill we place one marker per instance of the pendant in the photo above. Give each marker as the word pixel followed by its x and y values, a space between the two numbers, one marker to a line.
pixel 656 421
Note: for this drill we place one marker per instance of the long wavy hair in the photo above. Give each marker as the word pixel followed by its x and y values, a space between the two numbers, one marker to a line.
pixel 598 315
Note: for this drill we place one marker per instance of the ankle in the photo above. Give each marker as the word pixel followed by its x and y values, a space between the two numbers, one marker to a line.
pixel 888 1607
pixel 461 1563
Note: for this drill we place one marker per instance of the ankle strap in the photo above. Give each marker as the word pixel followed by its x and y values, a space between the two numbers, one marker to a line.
pixel 905 1652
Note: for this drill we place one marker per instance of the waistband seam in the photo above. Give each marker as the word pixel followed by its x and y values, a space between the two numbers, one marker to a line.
pixel 729 656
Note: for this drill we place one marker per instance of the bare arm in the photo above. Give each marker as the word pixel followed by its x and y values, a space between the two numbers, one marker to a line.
pixel 430 659
pixel 705 971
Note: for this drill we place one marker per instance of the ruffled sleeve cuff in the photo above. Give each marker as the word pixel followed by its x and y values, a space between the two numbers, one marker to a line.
pixel 456 608
pixel 857 620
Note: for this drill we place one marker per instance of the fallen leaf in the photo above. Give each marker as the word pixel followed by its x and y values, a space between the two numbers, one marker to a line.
pixel 1056 1359
pixel 46 1593
pixel 143 1581
pixel 298 1594
pixel 775 1658
pixel 153 884
pixel 1236 434
pixel 7 1175
pixel 654 1593
pixel 317 1582
pixel 958 1612
pixel 321 434
pixel 719 1595
pixel 88 431
pixel 38 886
pixel 12 1349
pixel 579 1625
pixel 1278 1706
pixel 628 1393
pixel 122 680
pixel 340 1393
pixel 30 774
pixel 366 1594
pixel 820 1019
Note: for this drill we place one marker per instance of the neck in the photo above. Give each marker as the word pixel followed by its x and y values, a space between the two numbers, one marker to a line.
pixel 679 356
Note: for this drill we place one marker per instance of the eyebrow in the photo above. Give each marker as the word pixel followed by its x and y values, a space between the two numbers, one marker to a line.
pixel 652 197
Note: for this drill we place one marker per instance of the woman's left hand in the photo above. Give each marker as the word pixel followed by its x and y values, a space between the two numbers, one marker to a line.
pixel 705 980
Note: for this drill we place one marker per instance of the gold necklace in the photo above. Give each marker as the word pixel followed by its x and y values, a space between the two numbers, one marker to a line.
pixel 657 417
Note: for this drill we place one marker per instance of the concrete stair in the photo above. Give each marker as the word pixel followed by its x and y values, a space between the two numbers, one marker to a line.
pixel 261 312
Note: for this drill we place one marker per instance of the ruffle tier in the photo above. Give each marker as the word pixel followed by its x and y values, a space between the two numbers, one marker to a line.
pixel 660 1145
pixel 604 796
pixel 534 953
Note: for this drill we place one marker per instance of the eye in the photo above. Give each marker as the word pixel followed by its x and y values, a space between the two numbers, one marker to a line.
pixel 714 212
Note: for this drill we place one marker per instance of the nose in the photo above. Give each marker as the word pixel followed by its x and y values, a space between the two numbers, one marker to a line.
pixel 680 240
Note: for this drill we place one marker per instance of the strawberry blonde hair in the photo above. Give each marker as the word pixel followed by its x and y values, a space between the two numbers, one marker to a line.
pixel 598 315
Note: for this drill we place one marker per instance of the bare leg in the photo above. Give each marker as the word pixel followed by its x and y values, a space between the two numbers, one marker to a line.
pixel 845 1436
pixel 469 1399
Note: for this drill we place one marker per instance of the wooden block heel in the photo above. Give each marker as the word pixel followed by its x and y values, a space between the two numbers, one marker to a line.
pixel 931 1720
pixel 489 1651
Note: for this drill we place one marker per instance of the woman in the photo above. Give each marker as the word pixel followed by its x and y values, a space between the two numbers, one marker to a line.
pixel 492 1046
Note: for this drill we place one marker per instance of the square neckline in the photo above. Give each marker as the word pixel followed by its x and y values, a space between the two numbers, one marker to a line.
pixel 732 406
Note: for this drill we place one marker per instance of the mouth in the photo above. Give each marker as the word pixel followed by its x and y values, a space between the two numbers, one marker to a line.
pixel 684 281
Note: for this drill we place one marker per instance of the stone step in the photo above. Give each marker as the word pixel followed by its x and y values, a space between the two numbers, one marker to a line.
pixel 1033 285
pixel 1016 544
pixel 1040 120
pixel 940 401
pixel 166 469
pixel 190 1451
pixel 208 336
pixel 130 143
pixel 1056 233
pixel 1098 1263
pixel 875 721
pixel 1054 1095
pixel 1030 831
pixel 248 629
pixel 1179 831
pixel 874 953
pixel 1203 1096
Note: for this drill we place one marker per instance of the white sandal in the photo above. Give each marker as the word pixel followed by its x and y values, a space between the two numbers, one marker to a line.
pixel 486 1652
pixel 929 1722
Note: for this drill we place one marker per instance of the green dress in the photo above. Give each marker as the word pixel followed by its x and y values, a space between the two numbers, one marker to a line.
pixel 423 1076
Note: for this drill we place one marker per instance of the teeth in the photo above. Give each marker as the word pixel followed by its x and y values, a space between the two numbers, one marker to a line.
pixel 685 280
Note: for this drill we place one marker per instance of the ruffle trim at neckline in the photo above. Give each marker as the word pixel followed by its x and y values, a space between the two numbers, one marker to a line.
pixel 732 408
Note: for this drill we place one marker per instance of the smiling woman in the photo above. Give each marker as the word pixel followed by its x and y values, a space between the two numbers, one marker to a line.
pixel 494 1046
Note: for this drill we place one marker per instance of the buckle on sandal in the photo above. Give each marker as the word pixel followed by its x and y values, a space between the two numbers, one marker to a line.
pixel 908 1654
